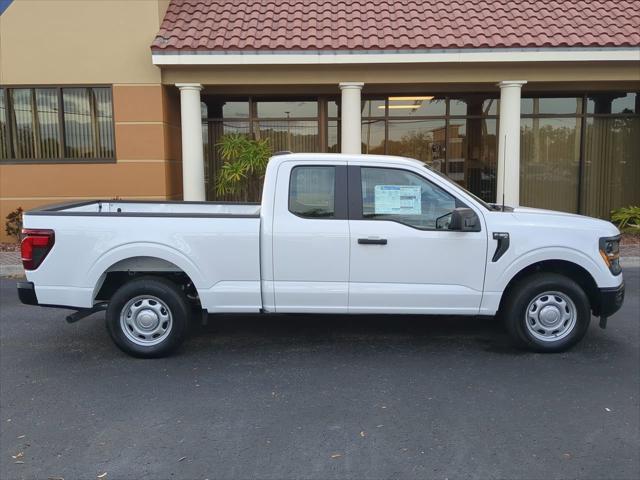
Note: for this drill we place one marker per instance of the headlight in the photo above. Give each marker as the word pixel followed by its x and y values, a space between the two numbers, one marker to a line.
pixel 610 252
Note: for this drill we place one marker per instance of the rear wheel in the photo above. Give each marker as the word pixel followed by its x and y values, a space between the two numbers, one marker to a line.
pixel 148 317
pixel 547 312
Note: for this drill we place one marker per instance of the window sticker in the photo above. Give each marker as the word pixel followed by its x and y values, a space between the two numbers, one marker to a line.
pixel 398 199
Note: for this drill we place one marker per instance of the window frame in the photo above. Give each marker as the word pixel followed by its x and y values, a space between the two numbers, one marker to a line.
pixel 355 197
pixel 12 160
pixel 340 189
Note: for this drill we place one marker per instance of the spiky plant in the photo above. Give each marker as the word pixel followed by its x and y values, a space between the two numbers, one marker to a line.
pixel 245 161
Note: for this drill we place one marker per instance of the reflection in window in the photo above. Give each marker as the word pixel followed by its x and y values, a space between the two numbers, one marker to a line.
pixel 301 109
pixel 549 163
pixel 473 104
pixel 4 153
pixel 312 192
pixel 333 136
pixel 34 123
pixel 373 137
pixel 613 102
pixel 611 173
pixel 373 108
pixel 417 106
pixel 290 135
pixel 402 196
pixel 551 105
pixel 420 139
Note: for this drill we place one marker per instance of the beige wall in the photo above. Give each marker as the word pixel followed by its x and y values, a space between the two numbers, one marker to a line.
pixel 450 75
pixel 71 41
pixel 44 42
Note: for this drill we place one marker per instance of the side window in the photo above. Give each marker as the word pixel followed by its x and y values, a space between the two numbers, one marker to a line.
pixel 403 196
pixel 312 192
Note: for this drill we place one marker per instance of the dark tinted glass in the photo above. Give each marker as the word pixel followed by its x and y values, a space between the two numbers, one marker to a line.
pixel 312 192
pixel 613 102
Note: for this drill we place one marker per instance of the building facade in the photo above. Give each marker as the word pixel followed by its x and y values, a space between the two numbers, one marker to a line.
pixel 536 103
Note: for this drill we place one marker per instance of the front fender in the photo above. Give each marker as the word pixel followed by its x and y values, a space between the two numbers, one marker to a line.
pixel 597 269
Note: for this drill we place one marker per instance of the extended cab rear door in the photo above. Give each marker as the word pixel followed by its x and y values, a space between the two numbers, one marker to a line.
pixel 310 235
pixel 403 257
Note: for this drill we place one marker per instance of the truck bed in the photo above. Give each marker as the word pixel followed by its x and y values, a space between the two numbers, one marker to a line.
pixel 216 244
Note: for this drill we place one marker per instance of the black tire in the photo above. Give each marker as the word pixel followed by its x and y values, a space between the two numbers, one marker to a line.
pixel 175 328
pixel 515 316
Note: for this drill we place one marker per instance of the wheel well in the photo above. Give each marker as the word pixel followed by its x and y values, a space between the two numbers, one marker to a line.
pixel 130 268
pixel 571 270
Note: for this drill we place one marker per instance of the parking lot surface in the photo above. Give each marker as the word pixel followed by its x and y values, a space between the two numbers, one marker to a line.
pixel 320 397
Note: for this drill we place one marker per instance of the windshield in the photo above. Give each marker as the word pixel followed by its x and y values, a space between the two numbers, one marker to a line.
pixel 475 197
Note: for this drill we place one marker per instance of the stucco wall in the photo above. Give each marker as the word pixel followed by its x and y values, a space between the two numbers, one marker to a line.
pixel 70 41
pixel 83 42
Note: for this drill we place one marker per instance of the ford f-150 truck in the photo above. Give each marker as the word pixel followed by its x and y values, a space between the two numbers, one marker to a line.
pixel 336 234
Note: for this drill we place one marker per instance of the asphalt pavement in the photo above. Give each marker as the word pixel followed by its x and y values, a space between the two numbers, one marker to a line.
pixel 317 397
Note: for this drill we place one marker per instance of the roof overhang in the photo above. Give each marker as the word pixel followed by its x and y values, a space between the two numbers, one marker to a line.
pixel 340 57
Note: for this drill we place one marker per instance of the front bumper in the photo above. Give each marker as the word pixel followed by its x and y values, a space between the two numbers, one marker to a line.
pixel 27 293
pixel 610 300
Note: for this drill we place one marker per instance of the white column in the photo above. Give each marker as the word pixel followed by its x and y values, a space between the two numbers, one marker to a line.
pixel 192 148
pixel 508 175
pixel 351 120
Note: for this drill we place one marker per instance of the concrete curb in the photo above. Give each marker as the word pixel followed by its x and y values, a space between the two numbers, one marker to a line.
pixel 11 270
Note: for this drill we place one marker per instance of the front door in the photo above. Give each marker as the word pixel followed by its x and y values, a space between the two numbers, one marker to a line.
pixel 403 258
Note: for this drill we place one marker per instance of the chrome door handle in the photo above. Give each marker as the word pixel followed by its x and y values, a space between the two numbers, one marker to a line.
pixel 372 241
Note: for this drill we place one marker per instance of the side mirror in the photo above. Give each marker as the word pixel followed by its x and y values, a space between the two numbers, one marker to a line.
pixel 464 220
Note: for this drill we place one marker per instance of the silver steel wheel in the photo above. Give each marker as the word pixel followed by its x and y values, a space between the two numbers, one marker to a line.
pixel 551 316
pixel 146 320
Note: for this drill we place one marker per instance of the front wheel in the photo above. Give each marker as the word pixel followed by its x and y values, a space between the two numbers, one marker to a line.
pixel 148 317
pixel 547 312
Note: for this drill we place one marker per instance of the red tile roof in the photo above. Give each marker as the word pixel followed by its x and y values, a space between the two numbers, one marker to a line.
pixel 262 25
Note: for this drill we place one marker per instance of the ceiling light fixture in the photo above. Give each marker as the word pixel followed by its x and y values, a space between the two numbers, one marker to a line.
pixel 428 97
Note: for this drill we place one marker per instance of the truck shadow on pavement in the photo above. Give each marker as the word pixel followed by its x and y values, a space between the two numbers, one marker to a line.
pixel 380 332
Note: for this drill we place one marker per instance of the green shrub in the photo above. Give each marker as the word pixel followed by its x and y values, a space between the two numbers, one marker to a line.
pixel 627 219
pixel 245 162
pixel 13 224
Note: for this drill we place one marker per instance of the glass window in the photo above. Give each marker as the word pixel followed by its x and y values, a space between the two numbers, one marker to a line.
pixel 611 173
pixel 613 102
pixel 4 137
pixel 480 156
pixel 78 123
pixel 373 108
pixel 417 106
pixel 420 139
pixel 290 135
pixel 473 105
pixel 24 144
pixel 301 109
pixel 312 192
pixel 228 109
pixel 32 116
pixel 333 136
pixel 549 163
pixel 551 105
pixel 373 137
pixel 403 196
pixel 332 109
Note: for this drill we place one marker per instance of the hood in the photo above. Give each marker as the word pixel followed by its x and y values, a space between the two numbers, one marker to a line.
pixel 564 220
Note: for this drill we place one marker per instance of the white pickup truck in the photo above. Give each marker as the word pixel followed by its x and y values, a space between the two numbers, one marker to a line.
pixel 336 234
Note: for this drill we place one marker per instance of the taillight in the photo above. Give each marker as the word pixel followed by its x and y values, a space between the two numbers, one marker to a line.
pixel 36 244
